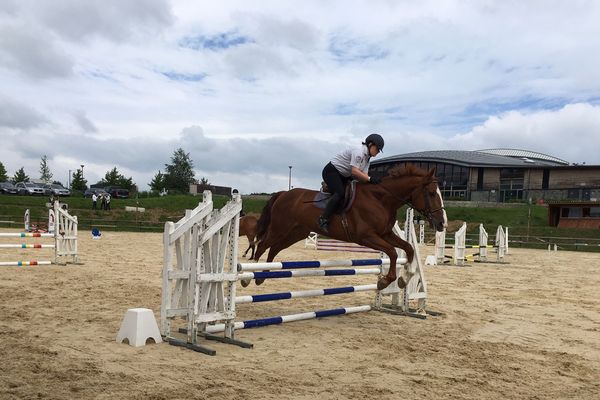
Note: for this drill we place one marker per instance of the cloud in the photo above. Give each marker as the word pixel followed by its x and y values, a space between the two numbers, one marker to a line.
pixel 249 89
pixel 84 122
pixel 32 52
pixel 563 133
pixel 16 115
pixel 110 19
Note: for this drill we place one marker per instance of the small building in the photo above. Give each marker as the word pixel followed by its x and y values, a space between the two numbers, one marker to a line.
pixel 197 188
pixel 574 214
pixel 502 175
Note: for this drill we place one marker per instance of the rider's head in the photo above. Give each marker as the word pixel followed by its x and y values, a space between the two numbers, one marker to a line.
pixel 374 140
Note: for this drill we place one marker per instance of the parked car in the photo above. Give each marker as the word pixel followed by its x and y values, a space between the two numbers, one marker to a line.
pixel 7 188
pixel 117 193
pixel 56 190
pixel 29 188
pixel 90 191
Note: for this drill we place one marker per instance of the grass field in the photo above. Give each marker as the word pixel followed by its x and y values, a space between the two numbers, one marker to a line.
pixel 527 224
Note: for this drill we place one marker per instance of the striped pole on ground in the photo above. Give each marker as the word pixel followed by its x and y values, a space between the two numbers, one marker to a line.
pixel 254 323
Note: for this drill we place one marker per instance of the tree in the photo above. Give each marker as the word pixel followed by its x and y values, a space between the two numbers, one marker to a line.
pixel 158 182
pixel 78 182
pixel 20 176
pixel 114 178
pixel 45 173
pixel 3 175
pixel 179 175
pixel 204 181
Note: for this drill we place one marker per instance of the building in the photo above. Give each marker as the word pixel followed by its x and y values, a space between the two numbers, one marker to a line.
pixel 502 175
pixel 198 188
pixel 574 214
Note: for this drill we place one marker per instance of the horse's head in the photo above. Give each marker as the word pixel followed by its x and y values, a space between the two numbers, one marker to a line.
pixel 427 199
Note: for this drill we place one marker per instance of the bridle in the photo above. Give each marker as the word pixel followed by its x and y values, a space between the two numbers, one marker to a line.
pixel 428 212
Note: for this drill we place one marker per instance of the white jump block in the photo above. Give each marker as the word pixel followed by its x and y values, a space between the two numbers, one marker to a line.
pixel 430 260
pixel 138 325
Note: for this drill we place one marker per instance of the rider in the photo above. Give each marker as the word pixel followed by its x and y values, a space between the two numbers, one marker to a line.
pixel 350 163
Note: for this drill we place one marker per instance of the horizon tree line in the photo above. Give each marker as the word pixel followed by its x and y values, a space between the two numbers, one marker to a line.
pixel 177 178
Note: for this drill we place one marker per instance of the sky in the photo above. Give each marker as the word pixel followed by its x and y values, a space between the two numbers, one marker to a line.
pixel 250 88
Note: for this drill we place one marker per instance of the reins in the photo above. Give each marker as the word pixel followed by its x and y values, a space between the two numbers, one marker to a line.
pixel 428 213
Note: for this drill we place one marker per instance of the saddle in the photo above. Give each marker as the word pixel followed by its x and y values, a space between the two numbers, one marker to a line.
pixel 320 200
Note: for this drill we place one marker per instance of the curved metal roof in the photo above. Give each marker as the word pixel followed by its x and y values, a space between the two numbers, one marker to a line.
pixel 472 159
pixel 525 154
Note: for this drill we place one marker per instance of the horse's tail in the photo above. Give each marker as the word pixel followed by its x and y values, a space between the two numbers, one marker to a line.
pixel 265 218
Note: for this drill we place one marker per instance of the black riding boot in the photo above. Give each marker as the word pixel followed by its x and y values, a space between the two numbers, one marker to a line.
pixel 331 206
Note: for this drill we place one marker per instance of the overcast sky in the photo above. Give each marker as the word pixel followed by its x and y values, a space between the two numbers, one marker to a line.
pixel 249 88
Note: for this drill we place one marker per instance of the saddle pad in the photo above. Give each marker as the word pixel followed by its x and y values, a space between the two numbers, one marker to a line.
pixel 320 199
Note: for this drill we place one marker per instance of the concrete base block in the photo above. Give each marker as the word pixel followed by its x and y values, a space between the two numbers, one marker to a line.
pixel 138 326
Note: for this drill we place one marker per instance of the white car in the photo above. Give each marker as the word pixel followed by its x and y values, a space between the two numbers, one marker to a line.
pixel 28 188
pixel 56 189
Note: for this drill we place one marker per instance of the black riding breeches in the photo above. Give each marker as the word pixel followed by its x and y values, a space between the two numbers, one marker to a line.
pixel 337 186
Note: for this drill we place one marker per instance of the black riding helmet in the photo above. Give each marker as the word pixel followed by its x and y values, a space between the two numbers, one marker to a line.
pixel 375 139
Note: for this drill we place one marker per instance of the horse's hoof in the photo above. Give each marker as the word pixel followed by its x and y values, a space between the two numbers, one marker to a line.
pixel 401 283
pixel 259 281
pixel 245 282
pixel 382 284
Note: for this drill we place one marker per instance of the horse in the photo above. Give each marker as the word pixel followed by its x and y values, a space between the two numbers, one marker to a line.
pixel 289 216
pixel 248 225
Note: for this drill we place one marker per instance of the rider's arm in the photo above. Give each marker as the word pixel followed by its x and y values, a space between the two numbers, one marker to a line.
pixel 360 175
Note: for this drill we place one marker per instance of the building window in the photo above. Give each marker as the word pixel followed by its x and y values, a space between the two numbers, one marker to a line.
pixel 546 179
pixel 573 194
pixel 480 178
pixel 586 194
pixel 571 212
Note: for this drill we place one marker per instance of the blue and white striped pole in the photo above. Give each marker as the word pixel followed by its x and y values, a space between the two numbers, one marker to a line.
pixel 309 272
pixel 257 298
pixel 254 323
pixel 316 264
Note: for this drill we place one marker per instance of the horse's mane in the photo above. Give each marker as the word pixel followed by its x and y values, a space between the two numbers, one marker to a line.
pixel 407 169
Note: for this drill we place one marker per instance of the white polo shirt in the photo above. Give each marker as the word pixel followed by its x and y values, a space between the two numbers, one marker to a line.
pixel 352 157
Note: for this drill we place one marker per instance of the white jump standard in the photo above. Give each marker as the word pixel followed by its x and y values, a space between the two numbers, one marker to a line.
pixel 64 233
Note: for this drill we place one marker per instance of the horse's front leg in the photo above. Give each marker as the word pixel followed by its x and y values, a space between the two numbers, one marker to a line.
pixel 378 243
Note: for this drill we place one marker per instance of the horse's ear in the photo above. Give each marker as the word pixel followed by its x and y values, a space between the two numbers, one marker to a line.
pixel 431 172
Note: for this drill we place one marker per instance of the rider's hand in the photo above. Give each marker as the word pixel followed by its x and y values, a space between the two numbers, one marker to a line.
pixel 374 180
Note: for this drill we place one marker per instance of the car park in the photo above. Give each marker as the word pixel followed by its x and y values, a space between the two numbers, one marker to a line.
pixel 56 190
pixel 117 192
pixel 29 188
pixel 7 188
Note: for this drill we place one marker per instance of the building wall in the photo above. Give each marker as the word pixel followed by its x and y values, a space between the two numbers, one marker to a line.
pixel 570 178
pixel 534 178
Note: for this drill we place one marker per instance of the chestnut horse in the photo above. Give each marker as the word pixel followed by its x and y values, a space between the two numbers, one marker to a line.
pixel 248 225
pixel 290 216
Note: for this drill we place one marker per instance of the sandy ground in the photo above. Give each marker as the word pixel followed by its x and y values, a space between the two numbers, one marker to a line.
pixel 527 330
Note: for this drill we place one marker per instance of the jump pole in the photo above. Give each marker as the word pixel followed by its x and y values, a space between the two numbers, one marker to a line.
pixel 255 323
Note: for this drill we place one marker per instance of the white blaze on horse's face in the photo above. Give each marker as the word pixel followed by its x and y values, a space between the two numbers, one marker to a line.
pixel 443 209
